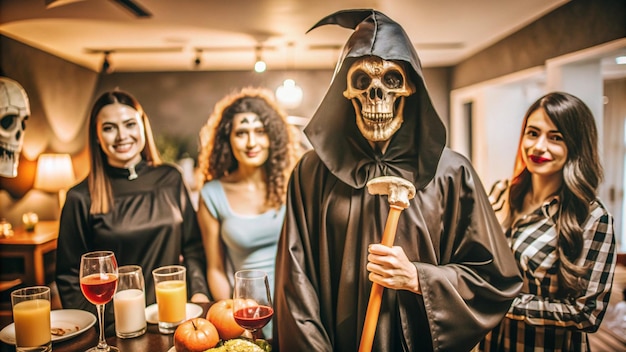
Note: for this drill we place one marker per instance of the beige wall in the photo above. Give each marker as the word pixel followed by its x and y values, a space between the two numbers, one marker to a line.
pixel 577 25
pixel 178 103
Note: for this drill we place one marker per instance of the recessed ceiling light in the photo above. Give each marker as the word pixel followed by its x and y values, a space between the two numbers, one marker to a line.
pixel 620 60
pixel 260 66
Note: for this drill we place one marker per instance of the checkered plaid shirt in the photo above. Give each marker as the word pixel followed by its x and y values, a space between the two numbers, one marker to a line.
pixel 537 319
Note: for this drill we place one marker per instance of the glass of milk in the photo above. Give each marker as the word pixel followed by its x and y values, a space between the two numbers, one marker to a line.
pixel 129 302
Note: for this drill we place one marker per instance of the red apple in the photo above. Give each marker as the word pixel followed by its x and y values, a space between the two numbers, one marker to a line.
pixel 221 315
pixel 195 335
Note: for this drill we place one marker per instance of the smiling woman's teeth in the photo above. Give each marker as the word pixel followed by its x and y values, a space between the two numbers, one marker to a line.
pixel 122 148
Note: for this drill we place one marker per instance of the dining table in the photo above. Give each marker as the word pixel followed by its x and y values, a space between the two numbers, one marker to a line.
pixel 32 252
pixel 151 341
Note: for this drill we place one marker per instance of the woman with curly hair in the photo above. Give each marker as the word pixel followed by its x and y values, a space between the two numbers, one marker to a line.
pixel 559 231
pixel 247 153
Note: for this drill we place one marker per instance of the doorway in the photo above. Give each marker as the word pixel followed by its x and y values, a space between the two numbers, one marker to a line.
pixel 614 155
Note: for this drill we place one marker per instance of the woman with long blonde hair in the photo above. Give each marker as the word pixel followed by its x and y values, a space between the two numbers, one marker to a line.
pixel 130 203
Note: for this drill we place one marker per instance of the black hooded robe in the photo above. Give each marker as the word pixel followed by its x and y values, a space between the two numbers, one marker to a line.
pixel 466 270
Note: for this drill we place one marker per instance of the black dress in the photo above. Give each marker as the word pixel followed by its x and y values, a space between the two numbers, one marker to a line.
pixel 151 223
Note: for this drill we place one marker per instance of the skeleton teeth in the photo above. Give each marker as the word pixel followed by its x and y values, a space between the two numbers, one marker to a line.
pixel 6 155
pixel 377 117
pixel 7 150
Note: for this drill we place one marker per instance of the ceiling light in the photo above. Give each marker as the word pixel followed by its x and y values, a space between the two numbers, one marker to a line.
pixel 289 95
pixel 198 60
pixel 259 65
pixel 620 60
pixel 107 68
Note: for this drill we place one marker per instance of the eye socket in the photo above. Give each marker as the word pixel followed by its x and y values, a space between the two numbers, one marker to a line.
pixel 8 121
pixel 360 80
pixel 24 122
pixel 393 79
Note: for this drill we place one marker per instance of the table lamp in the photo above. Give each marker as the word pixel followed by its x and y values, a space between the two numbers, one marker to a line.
pixel 55 173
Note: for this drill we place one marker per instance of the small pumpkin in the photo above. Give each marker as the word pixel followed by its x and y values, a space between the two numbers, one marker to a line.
pixel 195 335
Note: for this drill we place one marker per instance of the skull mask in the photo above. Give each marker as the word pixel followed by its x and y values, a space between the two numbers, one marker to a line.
pixel 377 89
pixel 14 111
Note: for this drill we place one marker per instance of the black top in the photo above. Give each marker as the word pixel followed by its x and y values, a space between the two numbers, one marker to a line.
pixel 151 223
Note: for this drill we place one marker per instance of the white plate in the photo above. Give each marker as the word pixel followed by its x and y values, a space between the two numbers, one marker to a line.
pixel 72 321
pixel 152 312
pixel 172 349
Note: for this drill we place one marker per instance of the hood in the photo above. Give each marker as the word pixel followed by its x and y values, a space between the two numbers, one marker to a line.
pixel 415 149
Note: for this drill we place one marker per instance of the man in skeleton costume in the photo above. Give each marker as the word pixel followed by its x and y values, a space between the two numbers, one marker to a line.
pixel 14 111
pixel 451 276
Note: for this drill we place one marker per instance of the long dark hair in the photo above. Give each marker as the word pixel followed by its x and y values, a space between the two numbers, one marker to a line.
pixel 216 158
pixel 98 181
pixel 582 173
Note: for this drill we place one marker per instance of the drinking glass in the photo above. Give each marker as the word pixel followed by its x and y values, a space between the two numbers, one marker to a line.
pixel 31 315
pixel 129 302
pixel 252 300
pixel 170 286
pixel 98 281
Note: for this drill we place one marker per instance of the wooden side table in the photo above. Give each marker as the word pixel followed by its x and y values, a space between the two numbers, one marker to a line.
pixel 31 247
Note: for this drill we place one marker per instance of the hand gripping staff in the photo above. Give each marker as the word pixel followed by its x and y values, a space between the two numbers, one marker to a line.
pixel 399 191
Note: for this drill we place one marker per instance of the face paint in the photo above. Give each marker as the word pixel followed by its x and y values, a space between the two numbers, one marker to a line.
pixel 377 89
pixel 249 140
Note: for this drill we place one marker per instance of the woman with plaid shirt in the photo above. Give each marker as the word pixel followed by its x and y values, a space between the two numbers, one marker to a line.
pixel 559 231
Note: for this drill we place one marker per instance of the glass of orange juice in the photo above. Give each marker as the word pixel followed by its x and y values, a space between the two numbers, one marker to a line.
pixel 31 315
pixel 171 296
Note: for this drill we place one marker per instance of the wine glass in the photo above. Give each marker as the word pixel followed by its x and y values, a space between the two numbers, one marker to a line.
pixel 98 281
pixel 252 300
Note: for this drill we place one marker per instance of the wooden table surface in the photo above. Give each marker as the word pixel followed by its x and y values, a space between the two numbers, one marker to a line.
pixel 151 341
pixel 44 231
pixel 30 248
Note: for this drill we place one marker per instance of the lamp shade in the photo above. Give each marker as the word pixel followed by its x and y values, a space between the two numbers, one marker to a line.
pixel 54 172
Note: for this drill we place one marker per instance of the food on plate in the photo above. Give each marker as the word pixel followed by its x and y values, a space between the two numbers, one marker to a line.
pixel 242 345
pixel 221 315
pixel 195 335
pixel 60 331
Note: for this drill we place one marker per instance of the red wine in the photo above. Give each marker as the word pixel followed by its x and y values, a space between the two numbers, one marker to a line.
pixel 253 318
pixel 99 288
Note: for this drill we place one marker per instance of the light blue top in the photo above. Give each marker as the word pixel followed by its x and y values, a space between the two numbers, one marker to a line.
pixel 250 240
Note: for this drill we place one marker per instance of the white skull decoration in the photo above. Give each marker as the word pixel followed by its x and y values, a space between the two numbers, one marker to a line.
pixel 14 111
pixel 377 89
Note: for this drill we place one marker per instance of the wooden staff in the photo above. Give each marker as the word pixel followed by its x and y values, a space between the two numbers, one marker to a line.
pixel 399 192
